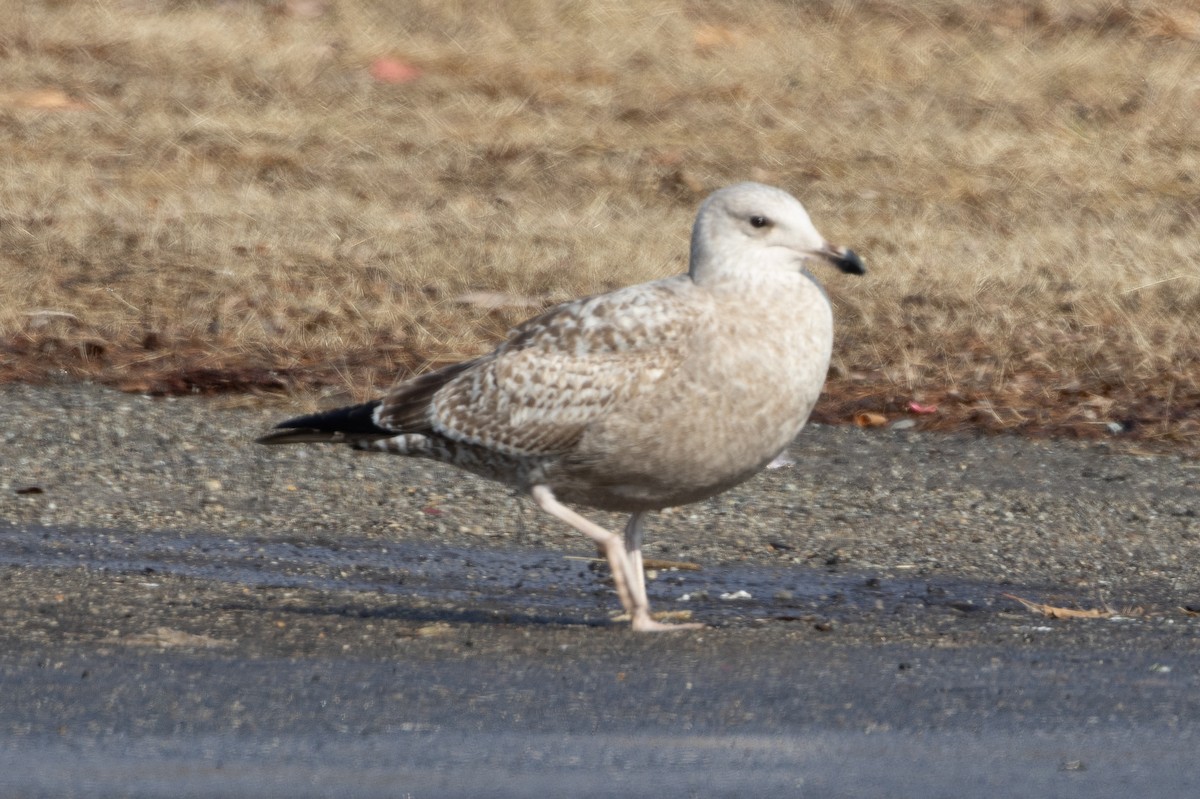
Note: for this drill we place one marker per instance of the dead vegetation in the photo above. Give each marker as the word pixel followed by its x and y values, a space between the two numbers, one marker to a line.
pixel 1058 612
pixel 234 196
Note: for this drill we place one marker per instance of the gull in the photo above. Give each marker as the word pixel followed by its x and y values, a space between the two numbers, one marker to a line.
pixel 650 396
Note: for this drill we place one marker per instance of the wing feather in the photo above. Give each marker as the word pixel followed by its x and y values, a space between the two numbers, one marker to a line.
pixel 565 369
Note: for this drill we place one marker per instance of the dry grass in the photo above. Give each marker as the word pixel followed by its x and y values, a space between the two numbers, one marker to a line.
pixel 197 196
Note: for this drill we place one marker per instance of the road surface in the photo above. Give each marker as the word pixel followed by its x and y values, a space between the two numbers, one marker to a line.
pixel 184 614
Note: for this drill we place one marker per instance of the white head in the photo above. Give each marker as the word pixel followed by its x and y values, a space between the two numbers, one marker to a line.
pixel 751 227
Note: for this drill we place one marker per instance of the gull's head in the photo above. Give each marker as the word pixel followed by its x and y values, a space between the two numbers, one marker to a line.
pixel 750 226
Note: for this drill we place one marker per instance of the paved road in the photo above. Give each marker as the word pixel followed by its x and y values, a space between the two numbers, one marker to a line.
pixel 161 635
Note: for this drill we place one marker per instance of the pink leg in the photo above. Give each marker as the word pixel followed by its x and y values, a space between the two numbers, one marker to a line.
pixel 618 561
pixel 637 584
pixel 628 578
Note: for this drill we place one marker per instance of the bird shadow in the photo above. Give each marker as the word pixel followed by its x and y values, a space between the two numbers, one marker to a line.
pixel 415 615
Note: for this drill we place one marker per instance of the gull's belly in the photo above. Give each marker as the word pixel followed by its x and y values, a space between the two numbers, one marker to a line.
pixel 695 436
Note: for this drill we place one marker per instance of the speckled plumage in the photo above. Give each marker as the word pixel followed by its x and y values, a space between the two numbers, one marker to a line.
pixel 654 395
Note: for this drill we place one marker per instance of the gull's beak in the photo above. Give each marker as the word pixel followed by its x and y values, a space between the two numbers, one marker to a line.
pixel 844 259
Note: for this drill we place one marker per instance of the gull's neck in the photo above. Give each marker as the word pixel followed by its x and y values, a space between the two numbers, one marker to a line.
pixel 735 263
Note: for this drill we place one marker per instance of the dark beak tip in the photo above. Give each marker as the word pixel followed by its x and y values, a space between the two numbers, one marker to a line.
pixel 850 263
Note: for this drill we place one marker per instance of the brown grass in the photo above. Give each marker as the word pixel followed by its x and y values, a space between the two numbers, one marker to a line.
pixel 219 195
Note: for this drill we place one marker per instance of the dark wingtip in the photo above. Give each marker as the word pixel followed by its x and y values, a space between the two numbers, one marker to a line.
pixel 352 421
pixel 849 262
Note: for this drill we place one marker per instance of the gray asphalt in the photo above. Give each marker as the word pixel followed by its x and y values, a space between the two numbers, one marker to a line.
pixel 183 614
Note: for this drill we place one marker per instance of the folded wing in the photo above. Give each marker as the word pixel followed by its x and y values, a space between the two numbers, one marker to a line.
pixel 559 372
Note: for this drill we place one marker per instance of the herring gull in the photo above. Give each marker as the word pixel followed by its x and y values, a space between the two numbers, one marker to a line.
pixel 650 396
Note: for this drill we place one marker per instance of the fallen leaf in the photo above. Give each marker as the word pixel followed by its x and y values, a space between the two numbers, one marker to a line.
pixel 393 70
pixel 1053 612
pixel 870 419
pixel 664 565
pixel 711 37
pixel 672 615
pixel 166 637
pixel 42 100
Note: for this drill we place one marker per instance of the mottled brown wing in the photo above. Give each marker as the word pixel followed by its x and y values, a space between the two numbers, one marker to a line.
pixel 567 368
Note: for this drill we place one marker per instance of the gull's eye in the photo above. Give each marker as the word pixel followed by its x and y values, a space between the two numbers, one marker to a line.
pixel 759 221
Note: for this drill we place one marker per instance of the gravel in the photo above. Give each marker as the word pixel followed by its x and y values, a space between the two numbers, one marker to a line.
pixel 184 613
pixel 1000 509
